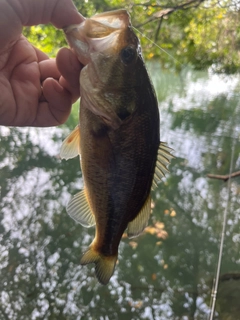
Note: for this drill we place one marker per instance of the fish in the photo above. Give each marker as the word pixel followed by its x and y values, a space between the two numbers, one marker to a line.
pixel 117 138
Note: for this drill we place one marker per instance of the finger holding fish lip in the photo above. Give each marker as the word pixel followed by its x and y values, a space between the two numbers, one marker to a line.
pixel 69 71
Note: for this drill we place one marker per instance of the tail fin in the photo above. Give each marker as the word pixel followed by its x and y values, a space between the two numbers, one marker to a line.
pixel 104 265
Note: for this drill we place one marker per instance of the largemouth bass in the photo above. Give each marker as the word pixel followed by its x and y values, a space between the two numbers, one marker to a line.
pixel 117 139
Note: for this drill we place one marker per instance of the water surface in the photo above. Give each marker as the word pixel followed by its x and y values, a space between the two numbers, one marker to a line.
pixel 166 273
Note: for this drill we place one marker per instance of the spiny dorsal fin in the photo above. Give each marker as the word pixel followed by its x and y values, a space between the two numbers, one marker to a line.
pixel 71 145
pixel 164 157
pixel 137 226
pixel 78 208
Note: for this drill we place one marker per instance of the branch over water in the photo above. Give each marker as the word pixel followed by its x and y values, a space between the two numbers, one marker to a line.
pixel 224 177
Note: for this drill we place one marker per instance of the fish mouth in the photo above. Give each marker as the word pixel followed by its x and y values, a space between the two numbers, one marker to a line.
pixel 75 35
pixel 100 33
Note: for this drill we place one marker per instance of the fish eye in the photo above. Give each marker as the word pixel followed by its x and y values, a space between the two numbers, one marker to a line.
pixel 128 54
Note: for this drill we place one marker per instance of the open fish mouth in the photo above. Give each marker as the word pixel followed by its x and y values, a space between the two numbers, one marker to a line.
pixel 100 33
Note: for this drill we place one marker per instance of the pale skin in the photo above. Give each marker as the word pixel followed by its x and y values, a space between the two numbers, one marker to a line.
pixel 35 90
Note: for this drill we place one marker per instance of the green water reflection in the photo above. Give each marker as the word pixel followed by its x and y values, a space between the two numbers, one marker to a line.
pixel 167 272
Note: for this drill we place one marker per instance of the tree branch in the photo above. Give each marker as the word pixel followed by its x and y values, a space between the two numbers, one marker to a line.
pixel 224 177
pixel 158 29
pixel 166 10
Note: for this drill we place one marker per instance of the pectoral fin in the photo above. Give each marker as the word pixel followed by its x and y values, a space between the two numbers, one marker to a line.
pixel 136 226
pixel 79 209
pixel 163 159
pixel 71 145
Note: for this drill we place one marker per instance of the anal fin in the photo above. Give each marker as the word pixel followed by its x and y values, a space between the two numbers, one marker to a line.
pixel 137 226
pixel 71 145
pixel 78 208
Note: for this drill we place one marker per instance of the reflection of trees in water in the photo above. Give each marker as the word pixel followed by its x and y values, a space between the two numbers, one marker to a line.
pixel 200 203
pixel 228 296
pixel 163 274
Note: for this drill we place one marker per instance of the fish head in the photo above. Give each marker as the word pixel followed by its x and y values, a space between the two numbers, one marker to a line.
pixel 107 34
pixel 110 50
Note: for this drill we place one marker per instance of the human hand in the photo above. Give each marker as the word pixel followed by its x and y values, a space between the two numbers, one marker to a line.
pixel 35 90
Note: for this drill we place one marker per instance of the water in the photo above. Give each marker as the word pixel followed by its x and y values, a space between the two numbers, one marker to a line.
pixel 166 273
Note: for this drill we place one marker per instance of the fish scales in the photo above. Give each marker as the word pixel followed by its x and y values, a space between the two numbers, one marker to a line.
pixel 123 164
pixel 119 141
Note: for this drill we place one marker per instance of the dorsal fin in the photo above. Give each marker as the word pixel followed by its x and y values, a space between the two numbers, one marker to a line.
pixel 71 145
pixel 164 157
pixel 78 208
pixel 137 226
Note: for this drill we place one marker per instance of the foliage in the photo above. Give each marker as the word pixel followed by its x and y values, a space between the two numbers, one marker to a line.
pixel 197 32
pixel 46 38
